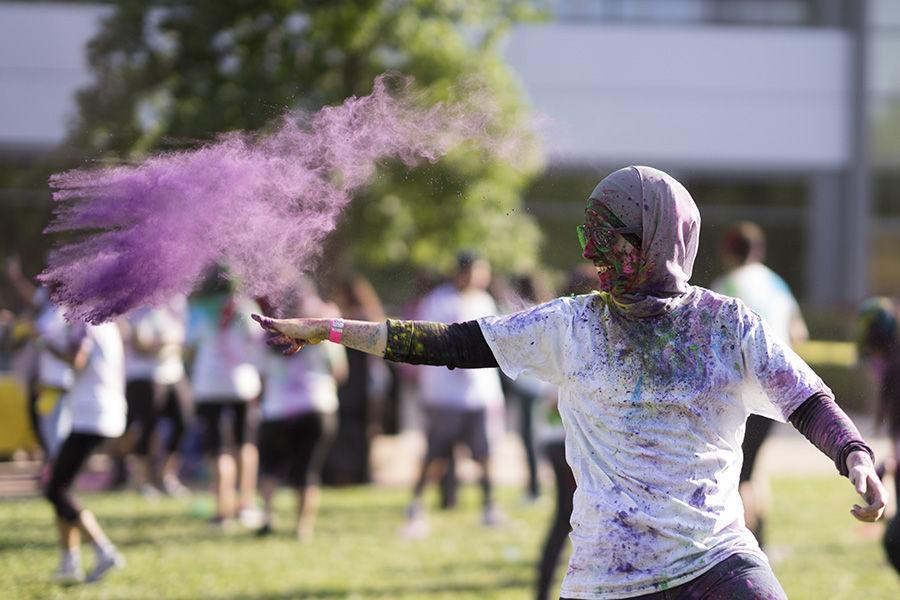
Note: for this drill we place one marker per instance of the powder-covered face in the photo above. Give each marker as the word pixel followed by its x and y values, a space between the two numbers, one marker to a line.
pixel 613 248
pixel 659 225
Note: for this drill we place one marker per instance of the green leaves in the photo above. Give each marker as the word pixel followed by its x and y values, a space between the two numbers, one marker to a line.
pixel 174 76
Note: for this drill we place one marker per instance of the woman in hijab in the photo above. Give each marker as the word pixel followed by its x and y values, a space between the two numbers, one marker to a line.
pixel 654 377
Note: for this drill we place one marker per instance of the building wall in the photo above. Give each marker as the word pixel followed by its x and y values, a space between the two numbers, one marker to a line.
pixel 43 62
pixel 699 97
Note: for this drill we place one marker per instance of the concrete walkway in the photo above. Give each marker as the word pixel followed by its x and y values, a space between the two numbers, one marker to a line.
pixel 395 459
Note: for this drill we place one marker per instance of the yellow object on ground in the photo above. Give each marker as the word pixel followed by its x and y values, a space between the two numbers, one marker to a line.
pixel 821 352
pixel 15 426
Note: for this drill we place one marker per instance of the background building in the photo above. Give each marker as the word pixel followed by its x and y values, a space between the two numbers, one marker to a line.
pixel 786 112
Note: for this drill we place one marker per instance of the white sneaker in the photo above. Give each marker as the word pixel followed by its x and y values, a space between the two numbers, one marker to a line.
pixel 106 560
pixel 150 492
pixel 415 529
pixel 174 488
pixel 251 518
pixel 416 526
pixel 492 516
pixel 69 572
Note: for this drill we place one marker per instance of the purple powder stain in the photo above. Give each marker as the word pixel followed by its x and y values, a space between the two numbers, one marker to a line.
pixel 261 204
pixel 625 567
pixel 698 498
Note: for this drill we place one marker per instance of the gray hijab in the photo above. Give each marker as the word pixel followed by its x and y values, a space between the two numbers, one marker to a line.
pixel 670 224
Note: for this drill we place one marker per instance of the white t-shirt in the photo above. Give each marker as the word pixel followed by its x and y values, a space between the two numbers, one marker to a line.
pixel 764 292
pixel 654 412
pixel 162 327
pixel 54 331
pixel 97 397
pixel 459 388
pixel 302 383
pixel 225 362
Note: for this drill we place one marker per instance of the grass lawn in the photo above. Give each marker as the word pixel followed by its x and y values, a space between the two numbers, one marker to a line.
pixel 357 553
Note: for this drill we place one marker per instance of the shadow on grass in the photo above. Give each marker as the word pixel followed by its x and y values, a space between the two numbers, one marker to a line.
pixel 15 543
pixel 414 590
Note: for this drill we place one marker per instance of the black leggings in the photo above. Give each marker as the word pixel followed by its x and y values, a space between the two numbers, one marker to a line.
pixel 560 527
pixel 148 402
pixel 69 461
pixel 756 432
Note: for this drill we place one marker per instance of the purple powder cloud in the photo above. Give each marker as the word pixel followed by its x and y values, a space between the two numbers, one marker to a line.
pixel 263 205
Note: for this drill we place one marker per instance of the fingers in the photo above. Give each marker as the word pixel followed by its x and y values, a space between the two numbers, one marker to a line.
pixel 286 344
pixel 279 339
pixel 869 514
pixel 292 349
pixel 265 322
pixel 875 496
pixel 860 484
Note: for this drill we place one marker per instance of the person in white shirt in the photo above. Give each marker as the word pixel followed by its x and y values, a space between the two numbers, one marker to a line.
pixel 462 406
pixel 653 374
pixel 156 388
pixel 54 376
pixel 742 251
pixel 225 381
pixel 299 419
pixel 96 402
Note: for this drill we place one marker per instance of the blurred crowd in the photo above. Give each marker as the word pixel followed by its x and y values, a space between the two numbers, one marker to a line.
pixel 187 396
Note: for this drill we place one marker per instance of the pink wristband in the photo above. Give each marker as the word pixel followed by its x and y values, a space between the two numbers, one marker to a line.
pixel 336 332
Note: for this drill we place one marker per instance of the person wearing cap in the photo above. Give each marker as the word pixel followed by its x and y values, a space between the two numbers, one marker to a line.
pixel 878 347
pixel 742 251
pixel 656 379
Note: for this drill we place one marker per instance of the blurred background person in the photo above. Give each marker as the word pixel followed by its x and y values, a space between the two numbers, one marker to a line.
pixel 551 437
pixel 97 404
pixel 156 389
pixel 225 382
pixel 461 406
pixel 878 349
pixel 362 392
pixel 299 417
pixel 525 393
pixel 54 375
pixel 34 371
pixel 742 251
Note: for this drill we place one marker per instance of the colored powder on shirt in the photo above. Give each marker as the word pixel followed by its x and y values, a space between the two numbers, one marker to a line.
pixel 261 204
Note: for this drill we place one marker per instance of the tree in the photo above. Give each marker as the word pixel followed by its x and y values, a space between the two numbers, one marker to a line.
pixel 175 74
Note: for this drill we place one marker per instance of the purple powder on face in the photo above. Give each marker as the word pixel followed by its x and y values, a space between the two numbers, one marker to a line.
pixel 262 205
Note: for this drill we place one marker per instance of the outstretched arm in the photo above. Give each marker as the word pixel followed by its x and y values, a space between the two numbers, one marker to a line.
pixel 293 334
pixel 416 342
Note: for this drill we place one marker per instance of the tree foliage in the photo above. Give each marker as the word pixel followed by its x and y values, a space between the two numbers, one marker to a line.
pixel 173 75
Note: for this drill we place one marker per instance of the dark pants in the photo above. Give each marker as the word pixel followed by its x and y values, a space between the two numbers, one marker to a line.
pixel 214 415
pixel 69 461
pixel 559 527
pixel 891 539
pixel 148 402
pixel 738 577
pixel 757 430
pixel 526 430
pixel 294 448
pixel 755 434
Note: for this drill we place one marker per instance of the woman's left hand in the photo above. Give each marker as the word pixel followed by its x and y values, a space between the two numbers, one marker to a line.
pixel 867 483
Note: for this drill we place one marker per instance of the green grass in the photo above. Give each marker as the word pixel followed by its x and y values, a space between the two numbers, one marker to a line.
pixel 357 553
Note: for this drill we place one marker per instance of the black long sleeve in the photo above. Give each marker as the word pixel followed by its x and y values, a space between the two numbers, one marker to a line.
pixel 428 343
pixel 829 428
